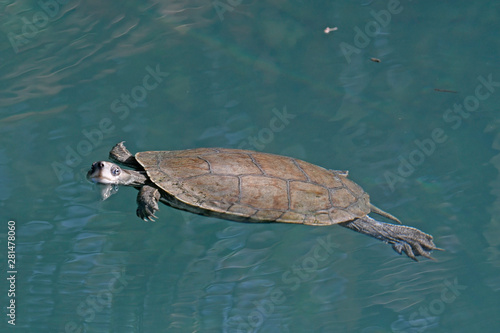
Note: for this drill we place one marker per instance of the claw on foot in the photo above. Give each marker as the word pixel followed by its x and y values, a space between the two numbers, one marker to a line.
pixel 416 243
pixel 147 212
pixel 147 203
pixel 403 239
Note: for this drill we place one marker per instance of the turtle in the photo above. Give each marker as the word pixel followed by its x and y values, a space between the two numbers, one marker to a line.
pixel 249 186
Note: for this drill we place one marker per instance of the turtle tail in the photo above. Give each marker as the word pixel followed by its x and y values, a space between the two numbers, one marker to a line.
pixel 411 241
pixel 380 212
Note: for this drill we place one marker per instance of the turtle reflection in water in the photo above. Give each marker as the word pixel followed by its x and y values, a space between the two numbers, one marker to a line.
pixel 248 186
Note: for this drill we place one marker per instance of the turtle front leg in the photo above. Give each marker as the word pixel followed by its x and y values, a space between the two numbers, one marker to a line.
pixel 411 241
pixel 147 202
pixel 121 155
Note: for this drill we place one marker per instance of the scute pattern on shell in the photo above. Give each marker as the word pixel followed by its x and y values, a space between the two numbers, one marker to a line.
pixel 254 187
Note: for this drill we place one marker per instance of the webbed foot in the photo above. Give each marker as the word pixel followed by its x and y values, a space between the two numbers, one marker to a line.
pixel 147 203
pixel 411 241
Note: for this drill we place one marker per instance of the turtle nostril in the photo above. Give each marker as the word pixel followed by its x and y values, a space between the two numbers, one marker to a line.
pixel 101 165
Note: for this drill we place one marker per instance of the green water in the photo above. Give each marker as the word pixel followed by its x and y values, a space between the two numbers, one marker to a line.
pixel 78 77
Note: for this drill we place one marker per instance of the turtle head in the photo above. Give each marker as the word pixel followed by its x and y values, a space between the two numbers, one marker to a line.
pixel 107 175
pixel 103 172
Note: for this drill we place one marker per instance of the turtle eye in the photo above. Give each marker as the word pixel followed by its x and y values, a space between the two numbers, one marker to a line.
pixel 115 171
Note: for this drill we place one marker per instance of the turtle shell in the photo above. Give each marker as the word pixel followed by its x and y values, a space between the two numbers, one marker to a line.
pixel 250 186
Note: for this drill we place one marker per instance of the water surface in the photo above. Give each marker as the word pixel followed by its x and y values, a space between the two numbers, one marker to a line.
pixel 79 77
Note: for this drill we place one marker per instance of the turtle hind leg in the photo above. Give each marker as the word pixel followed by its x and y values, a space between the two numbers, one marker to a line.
pixel 411 241
pixel 147 202
pixel 121 155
